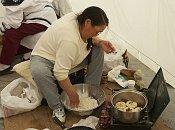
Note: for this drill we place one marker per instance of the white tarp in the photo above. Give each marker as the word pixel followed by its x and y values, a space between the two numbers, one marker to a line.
pixel 145 27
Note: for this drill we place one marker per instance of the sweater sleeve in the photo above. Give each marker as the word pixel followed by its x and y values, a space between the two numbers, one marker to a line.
pixel 65 57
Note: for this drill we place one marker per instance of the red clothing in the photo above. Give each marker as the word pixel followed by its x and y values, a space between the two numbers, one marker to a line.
pixel 12 38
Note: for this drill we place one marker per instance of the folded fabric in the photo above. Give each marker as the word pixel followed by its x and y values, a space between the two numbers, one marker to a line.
pixel 90 121
pixel 23 70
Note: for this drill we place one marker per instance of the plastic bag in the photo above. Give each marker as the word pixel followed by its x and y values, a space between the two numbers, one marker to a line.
pixel 112 60
pixel 19 96
pixel 90 121
pixel 114 76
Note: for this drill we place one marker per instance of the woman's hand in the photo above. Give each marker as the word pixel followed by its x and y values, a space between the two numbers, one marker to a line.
pixel 73 97
pixel 71 92
pixel 106 46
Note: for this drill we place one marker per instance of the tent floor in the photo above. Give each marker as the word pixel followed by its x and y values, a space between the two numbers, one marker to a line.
pixel 40 118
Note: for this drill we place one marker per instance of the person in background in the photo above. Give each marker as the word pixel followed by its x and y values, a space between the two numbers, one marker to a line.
pixel 62 7
pixel 22 26
pixel 68 43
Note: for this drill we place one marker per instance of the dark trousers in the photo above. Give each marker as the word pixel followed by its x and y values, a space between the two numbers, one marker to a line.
pixel 12 38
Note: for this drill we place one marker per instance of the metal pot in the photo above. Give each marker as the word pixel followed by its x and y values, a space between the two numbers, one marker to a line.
pixel 125 95
pixel 92 91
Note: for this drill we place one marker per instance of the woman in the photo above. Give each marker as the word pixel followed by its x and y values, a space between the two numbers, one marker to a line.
pixel 66 45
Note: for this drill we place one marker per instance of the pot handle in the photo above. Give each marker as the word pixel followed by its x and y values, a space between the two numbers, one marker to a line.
pixel 57 121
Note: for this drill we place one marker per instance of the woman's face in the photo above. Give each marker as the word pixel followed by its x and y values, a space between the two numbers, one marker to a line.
pixel 92 31
pixel 96 30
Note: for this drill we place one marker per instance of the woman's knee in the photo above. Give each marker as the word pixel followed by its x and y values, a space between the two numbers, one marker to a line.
pixel 36 72
pixel 40 72
pixel 97 53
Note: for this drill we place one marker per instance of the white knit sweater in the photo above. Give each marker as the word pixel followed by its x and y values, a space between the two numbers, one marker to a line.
pixel 62 43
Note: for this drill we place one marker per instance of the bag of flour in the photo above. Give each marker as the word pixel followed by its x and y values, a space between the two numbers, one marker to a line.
pixel 19 96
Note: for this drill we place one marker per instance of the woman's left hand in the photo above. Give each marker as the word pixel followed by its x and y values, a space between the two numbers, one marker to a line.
pixel 107 46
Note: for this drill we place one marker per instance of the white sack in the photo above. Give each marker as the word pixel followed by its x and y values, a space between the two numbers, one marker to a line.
pixel 19 96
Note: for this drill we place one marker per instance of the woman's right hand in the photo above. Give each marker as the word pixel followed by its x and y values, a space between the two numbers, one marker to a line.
pixel 71 92
pixel 73 98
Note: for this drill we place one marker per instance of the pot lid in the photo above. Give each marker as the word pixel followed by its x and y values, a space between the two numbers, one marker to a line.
pixel 158 97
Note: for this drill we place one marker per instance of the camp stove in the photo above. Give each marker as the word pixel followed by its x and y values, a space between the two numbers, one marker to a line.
pixel 158 99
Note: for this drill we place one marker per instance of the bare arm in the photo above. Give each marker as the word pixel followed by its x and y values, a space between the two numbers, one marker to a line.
pixel 71 92
pixel 96 41
pixel 105 45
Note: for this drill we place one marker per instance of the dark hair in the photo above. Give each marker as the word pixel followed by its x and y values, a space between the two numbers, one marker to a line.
pixel 95 14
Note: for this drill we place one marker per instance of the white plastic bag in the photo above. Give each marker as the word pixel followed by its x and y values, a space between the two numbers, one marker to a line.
pixel 112 60
pixel 114 76
pixel 90 121
pixel 19 96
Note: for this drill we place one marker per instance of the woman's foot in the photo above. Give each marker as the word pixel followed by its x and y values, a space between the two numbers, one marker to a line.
pixel 60 114
pixel 4 69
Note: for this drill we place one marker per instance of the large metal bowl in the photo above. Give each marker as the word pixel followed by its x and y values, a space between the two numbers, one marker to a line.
pixel 93 91
pixel 125 95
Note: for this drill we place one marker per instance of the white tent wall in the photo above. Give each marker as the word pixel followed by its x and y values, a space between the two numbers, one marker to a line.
pixel 145 27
